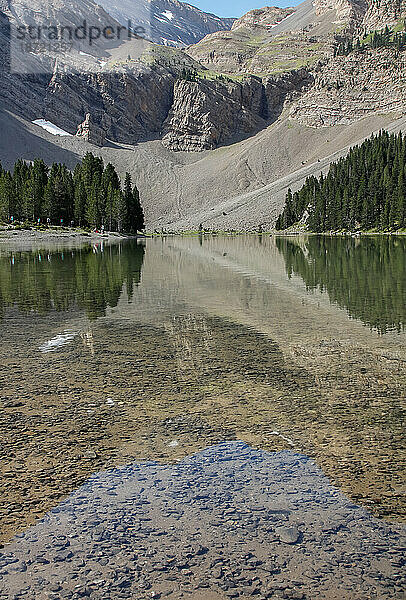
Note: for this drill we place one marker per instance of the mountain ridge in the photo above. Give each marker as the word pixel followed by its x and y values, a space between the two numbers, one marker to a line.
pixel 197 134
pixel 167 22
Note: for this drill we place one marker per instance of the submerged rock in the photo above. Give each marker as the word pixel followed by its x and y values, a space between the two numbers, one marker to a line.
pixel 288 535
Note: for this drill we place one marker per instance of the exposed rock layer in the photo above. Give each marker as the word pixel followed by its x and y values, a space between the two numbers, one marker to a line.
pixel 265 17
pixel 347 11
pixel 350 87
pixel 384 12
pixel 207 113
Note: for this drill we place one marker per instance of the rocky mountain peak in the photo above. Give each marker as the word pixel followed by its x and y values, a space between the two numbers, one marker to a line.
pixel 167 22
pixel 266 17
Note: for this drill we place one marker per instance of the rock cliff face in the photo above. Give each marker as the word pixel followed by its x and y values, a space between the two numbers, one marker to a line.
pixel 128 107
pixel 90 132
pixel 347 11
pixel 206 114
pixel 350 87
pixel 383 12
pixel 148 99
pixel 364 15
pixel 347 88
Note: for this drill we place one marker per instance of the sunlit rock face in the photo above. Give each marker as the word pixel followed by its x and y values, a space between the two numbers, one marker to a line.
pixel 346 10
pixel 206 114
pixel 351 87
pixel 384 12
pixel 90 132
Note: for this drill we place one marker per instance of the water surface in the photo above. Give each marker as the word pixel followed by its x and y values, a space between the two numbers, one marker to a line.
pixel 148 530
pixel 116 355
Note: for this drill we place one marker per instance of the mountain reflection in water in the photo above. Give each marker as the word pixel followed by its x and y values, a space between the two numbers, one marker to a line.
pixel 157 352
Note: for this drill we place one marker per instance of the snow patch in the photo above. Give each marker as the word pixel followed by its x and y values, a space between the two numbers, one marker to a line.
pixel 282 20
pixel 50 127
pixel 168 14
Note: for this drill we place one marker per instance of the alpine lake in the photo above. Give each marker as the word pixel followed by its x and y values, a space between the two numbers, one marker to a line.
pixel 204 418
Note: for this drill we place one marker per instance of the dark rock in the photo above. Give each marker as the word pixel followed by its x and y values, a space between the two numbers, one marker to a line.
pixel 288 535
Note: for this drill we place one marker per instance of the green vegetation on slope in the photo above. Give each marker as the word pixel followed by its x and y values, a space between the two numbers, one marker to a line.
pixel 365 190
pixel 205 74
pixel 91 196
pixel 376 39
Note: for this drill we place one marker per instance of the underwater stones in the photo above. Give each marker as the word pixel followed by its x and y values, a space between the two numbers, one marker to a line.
pixel 16 567
pixel 198 550
pixel 288 535
pixel 62 556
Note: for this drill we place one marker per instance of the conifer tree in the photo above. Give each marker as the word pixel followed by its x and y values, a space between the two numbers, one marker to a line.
pixel 366 189
pixel 119 209
pixel 139 221
pixel 134 213
pixel 6 191
pixel 91 196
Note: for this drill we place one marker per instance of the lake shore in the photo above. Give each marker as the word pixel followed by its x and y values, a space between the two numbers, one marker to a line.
pixel 26 239
pixel 272 233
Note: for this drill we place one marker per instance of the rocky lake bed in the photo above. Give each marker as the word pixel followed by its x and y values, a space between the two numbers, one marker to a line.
pixel 229 522
pixel 182 419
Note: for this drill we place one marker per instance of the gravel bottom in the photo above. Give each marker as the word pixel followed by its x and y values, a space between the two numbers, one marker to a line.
pixel 228 522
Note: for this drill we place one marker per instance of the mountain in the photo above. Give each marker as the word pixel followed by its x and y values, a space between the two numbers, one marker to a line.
pixel 275 40
pixel 102 27
pixel 134 89
pixel 215 132
pixel 67 33
pixel 167 22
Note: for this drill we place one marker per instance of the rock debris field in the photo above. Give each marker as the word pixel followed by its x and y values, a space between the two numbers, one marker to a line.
pixel 228 522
